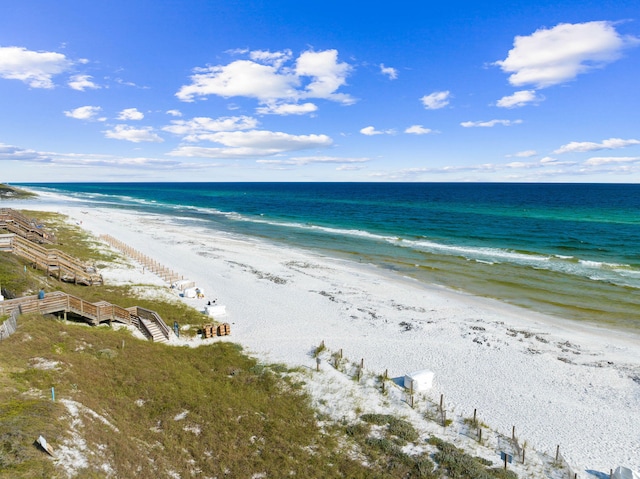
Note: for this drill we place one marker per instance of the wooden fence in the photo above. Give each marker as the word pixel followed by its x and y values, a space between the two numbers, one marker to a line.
pixel 509 446
pixel 149 263
pixel 9 326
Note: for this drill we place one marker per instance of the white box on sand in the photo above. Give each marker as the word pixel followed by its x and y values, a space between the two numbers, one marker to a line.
pixel 625 473
pixel 421 380
pixel 215 310
pixel 183 284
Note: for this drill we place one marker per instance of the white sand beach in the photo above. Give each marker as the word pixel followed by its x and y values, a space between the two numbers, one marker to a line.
pixel 558 382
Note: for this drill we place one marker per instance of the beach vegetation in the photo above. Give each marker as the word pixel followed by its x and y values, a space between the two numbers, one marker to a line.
pixel 72 239
pixel 455 463
pixel 145 409
pixel 475 423
pixel 10 192
pixel 319 349
pixel 376 439
pixel 15 277
pixel 395 426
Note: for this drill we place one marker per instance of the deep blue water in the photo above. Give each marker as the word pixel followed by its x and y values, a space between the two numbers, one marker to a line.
pixel 565 249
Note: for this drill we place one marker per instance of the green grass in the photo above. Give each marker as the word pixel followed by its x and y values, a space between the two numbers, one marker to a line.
pixel 237 417
pixel 455 463
pixel 10 192
pixel 71 238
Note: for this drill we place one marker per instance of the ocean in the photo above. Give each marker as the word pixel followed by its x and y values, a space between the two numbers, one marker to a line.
pixel 569 250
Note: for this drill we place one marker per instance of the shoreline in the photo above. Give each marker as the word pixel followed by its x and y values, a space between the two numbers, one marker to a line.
pixel 557 381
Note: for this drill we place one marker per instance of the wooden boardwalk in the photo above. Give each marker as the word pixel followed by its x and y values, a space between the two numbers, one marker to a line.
pixel 25 239
pixel 146 321
pixel 27 228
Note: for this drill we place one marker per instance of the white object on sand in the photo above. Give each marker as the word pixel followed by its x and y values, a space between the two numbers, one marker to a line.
pixel 183 284
pixel 625 473
pixel 419 380
pixel 215 310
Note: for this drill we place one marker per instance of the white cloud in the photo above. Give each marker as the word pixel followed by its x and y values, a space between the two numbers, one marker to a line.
pixel 253 143
pixel 271 58
pixel 240 78
pixel 599 161
pixel 287 109
pixel 418 130
pixel 390 72
pixel 524 154
pixel 371 131
pixel 552 56
pixel 9 153
pixel 306 160
pixel 135 135
pixel 266 78
pixel 544 168
pixel 583 146
pixel 34 68
pixel 14 153
pixel 436 100
pixel 84 112
pixel 202 128
pixel 327 75
pixel 174 113
pixel 519 98
pixel 490 123
pixel 82 82
pixel 130 114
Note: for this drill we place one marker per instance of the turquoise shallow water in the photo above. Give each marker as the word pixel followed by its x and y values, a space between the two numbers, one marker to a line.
pixel 571 250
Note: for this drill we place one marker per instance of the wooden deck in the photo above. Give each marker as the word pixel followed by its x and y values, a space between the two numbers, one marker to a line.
pixel 146 321
pixel 28 228
pixel 25 239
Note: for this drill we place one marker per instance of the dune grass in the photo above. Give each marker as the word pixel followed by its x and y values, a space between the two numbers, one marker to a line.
pixel 10 192
pixel 146 409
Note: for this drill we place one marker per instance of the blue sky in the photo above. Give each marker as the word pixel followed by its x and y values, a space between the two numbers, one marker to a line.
pixel 274 90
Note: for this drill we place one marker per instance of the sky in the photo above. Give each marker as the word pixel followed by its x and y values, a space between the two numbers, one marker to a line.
pixel 279 90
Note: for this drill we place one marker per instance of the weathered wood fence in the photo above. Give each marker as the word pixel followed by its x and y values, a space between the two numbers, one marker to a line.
pixel 9 326
pixel 149 263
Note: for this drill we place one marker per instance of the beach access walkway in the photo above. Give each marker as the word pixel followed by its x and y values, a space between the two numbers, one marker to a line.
pixel 148 322
pixel 27 228
pixel 25 239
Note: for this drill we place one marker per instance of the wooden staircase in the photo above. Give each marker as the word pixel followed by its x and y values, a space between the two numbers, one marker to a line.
pixel 25 240
pixel 148 322
pixel 154 330
pixel 28 228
